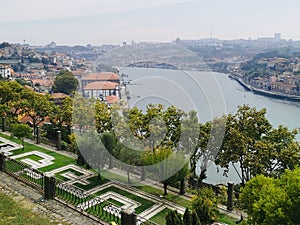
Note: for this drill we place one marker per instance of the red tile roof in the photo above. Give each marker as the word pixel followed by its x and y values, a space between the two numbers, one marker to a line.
pixel 112 99
pixel 102 76
pixel 59 95
pixel 99 85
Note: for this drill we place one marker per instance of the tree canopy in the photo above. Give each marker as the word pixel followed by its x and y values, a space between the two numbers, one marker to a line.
pixel 273 201
pixel 253 145
pixel 65 82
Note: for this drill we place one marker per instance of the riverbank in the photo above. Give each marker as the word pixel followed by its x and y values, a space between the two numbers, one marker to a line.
pixel 264 92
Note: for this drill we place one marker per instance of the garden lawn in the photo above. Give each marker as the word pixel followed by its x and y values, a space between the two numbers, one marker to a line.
pixel 94 182
pixel 160 218
pixel 170 197
pixel 60 160
pixel 145 204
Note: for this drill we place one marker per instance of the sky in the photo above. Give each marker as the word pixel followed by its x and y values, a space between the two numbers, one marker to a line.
pixel 98 22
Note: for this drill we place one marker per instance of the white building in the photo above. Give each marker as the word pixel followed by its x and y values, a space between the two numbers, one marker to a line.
pixel 5 71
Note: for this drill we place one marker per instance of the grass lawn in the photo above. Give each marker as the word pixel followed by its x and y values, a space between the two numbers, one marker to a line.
pixel 226 219
pixel 115 202
pixel 94 182
pixel 160 218
pixel 60 160
pixel 170 197
pixel 12 213
pixel 59 176
pixel 32 157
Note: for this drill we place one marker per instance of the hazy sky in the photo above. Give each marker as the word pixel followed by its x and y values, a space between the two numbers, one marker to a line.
pixel 114 21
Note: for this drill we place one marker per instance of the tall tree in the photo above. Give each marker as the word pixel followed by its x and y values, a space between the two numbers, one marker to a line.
pixel 243 130
pixel 92 149
pixel 205 205
pixel 254 147
pixel 65 82
pixel 165 164
pixel 38 107
pixel 174 218
pixel 21 131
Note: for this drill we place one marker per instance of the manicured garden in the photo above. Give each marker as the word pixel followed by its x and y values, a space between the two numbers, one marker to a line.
pixel 93 182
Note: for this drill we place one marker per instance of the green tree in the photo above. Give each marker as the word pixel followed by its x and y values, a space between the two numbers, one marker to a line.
pixel 92 149
pixel 187 217
pixel 65 82
pixel 84 112
pixel 109 141
pixel 21 131
pixel 205 205
pixel 243 130
pixel 253 145
pixel 4 44
pixel 37 107
pixel 272 201
pixel 103 117
pixel 174 218
pixel 165 165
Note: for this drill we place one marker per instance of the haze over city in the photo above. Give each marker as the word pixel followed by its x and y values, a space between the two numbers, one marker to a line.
pixel 115 21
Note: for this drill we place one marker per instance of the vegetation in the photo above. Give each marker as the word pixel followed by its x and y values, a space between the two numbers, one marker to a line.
pixel 189 218
pixel 256 147
pixel 21 131
pixel 12 213
pixel 273 200
pixel 250 142
pixel 205 205
pixel 4 45
pixel 65 82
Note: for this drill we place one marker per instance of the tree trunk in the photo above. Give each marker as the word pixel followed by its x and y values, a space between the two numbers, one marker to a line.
pixel 182 187
pixel 110 164
pixel 99 175
pixel 128 177
pixel 143 175
pixel 165 188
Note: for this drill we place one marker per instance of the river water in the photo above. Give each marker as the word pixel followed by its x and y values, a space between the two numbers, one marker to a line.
pixel 210 94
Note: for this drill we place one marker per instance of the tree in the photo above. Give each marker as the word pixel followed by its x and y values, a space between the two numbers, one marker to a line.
pixel 205 205
pixel 173 218
pixel 109 141
pixel 165 165
pixel 103 117
pixel 21 131
pixel 37 107
pixel 189 218
pixel 83 112
pixel 273 200
pixel 243 130
pixel 92 149
pixel 65 82
pixel 4 45
pixel 256 147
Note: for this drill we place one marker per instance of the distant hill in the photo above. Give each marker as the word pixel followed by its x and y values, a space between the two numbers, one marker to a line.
pixel 161 55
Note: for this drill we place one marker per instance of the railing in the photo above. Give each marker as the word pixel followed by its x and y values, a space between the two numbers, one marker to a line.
pixel 91 204
pixel 24 173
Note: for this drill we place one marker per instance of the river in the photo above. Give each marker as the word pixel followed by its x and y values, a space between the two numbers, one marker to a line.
pixel 210 94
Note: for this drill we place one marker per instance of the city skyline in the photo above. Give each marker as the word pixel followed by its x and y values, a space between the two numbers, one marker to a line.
pixel 112 22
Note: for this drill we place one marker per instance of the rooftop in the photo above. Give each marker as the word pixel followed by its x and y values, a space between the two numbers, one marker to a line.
pixel 102 76
pixel 100 85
